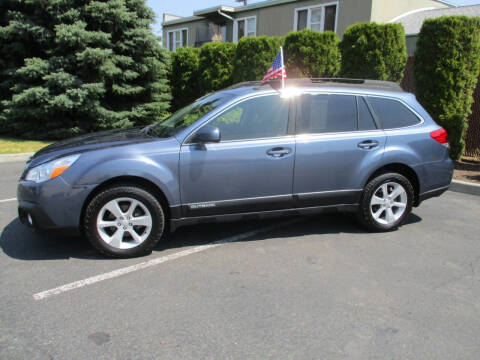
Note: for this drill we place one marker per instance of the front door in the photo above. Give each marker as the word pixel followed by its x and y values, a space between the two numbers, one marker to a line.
pixel 337 140
pixel 249 170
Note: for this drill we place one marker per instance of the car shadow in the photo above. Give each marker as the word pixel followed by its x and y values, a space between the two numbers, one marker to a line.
pixel 18 242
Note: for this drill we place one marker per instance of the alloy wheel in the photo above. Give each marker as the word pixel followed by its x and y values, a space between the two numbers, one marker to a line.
pixel 124 223
pixel 388 203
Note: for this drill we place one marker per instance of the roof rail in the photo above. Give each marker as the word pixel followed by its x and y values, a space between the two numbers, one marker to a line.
pixel 339 80
pixel 320 82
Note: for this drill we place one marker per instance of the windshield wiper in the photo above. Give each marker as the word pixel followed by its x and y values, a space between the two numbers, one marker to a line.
pixel 150 129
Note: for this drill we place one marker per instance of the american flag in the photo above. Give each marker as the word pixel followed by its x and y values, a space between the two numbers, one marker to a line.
pixel 277 70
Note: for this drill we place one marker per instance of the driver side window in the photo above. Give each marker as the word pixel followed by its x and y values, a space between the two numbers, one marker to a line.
pixel 261 117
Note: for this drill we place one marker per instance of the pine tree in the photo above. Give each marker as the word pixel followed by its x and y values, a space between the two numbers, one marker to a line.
pixel 20 38
pixel 100 67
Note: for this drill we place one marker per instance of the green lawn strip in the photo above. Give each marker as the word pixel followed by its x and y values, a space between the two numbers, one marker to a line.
pixel 15 146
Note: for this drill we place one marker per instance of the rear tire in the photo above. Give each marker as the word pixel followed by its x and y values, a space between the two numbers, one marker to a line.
pixel 386 202
pixel 124 221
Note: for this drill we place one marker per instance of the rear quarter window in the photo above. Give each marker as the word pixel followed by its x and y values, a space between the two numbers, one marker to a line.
pixel 393 113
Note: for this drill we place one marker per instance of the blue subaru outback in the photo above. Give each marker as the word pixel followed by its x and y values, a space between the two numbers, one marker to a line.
pixel 249 151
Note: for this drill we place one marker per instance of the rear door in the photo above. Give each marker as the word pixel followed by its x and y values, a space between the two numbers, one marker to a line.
pixel 250 169
pixel 336 140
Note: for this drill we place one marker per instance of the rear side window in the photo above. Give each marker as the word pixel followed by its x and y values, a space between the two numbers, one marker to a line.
pixel 365 118
pixel 324 113
pixel 392 113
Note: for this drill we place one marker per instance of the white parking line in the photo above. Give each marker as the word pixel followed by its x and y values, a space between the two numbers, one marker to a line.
pixel 146 264
pixel 8 200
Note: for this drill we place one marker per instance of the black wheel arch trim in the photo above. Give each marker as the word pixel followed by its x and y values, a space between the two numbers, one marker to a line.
pixel 403 169
pixel 134 181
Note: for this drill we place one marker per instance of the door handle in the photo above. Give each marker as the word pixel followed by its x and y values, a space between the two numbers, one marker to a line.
pixel 279 152
pixel 368 144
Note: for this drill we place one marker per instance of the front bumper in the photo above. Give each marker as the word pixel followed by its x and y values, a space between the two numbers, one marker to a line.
pixel 53 205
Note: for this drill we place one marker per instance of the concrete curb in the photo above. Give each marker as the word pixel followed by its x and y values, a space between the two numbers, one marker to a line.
pixel 465 187
pixel 6 158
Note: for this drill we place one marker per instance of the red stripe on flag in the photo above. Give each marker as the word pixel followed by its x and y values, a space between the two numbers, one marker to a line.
pixel 280 73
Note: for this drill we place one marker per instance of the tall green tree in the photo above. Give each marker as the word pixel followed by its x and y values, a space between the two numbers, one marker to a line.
pixel 185 77
pixel 21 37
pixel 312 54
pixel 216 65
pixel 374 51
pixel 253 57
pixel 100 67
pixel 447 64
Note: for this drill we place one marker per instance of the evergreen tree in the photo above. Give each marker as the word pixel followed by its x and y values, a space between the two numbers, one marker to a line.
pixel 374 51
pixel 185 77
pixel 447 64
pixel 20 38
pixel 100 67
pixel 312 54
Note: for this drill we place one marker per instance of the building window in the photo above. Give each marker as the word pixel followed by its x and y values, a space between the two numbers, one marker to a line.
pixel 318 18
pixel 244 27
pixel 177 39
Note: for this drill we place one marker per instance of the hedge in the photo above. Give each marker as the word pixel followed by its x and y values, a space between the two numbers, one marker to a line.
pixel 374 51
pixel 216 65
pixel 447 65
pixel 310 53
pixel 253 57
pixel 184 77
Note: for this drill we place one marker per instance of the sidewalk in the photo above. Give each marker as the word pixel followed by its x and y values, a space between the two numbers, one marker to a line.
pixel 22 157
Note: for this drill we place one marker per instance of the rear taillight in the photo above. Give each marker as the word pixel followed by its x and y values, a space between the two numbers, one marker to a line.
pixel 440 135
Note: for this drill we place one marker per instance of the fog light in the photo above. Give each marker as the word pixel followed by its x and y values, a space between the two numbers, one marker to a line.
pixel 30 220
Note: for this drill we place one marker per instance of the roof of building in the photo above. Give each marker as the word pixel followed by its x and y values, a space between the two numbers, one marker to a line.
pixel 182 20
pixel 214 10
pixel 227 9
pixel 199 14
pixel 413 21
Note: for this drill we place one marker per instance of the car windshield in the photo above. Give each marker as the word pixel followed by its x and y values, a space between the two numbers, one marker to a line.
pixel 188 115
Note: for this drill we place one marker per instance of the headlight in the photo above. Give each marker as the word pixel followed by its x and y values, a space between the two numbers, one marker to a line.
pixel 51 169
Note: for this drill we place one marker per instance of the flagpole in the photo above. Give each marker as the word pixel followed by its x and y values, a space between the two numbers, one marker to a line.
pixel 283 68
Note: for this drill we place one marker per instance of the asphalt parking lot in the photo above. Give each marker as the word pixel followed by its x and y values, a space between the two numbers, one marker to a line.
pixel 310 288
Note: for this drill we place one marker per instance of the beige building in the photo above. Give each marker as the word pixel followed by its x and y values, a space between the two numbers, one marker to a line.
pixel 278 17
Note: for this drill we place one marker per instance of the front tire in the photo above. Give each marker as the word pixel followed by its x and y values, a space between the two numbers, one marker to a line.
pixel 386 202
pixel 124 221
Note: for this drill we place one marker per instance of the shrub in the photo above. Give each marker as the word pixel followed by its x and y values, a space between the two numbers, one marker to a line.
pixel 184 77
pixel 374 51
pixel 216 65
pixel 446 71
pixel 309 53
pixel 253 57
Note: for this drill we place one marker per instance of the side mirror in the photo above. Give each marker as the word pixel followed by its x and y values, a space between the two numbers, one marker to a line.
pixel 207 134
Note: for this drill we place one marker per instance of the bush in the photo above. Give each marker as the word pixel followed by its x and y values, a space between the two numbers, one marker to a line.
pixel 374 51
pixel 310 53
pixel 216 65
pixel 184 77
pixel 253 57
pixel 446 71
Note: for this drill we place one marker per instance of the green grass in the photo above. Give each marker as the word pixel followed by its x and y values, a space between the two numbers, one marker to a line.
pixel 14 146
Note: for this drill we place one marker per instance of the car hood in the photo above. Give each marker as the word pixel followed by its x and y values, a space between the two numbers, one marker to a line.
pixel 89 142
